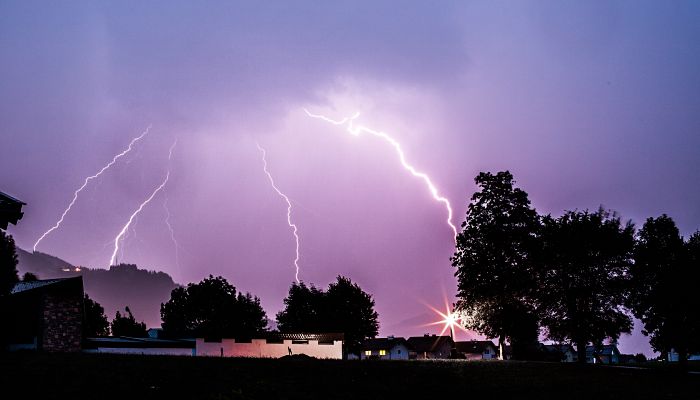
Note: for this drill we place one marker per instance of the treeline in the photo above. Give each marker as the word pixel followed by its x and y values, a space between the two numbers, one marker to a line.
pixel 577 278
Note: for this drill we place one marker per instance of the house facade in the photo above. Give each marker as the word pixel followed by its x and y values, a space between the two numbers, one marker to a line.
pixel 46 315
pixel 388 348
pixel 607 354
pixel 428 347
pixel 477 350
pixel 274 345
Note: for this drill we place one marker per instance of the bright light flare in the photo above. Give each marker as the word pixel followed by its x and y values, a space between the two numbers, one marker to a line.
pixel 292 225
pixel 448 320
pixel 357 130
pixel 85 183
pixel 135 214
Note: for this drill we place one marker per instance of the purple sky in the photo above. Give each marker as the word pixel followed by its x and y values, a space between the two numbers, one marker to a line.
pixel 587 103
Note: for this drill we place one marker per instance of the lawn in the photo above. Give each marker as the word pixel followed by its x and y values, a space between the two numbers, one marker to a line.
pixel 94 376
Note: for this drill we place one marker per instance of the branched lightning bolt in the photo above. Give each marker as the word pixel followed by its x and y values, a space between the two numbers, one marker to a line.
pixel 85 183
pixel 160 187
pixel 289 211
pixel 357 130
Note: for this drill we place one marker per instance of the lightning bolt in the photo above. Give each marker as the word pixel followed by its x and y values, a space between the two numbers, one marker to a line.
pixel 172 234
pixel 289 211
pixel 160 187
pixel 85 183
pixel 357 130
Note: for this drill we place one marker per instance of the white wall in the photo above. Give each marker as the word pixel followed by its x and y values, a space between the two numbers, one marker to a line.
pixel 151 351
pixel 398 352
pixel 259 348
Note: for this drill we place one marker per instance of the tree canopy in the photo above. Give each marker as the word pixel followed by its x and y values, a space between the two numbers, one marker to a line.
pixel 343 308
pixel 126 325
pixel 494 272
pixel 584 277
pixel 8 263
pixel 664 280
pixel 95 322
pixel 211 309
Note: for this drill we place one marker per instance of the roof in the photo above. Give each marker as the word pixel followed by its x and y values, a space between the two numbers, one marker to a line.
pixel 607 349
pixel 563 348
pixel 321 337
pixel 141 343
pixel 21 287
pixel 10 210
pixel 428 343
pixel 474 346
pixel 383 343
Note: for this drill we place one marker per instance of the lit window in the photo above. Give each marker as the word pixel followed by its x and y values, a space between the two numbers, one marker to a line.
pixel 368 352
pixel 382 352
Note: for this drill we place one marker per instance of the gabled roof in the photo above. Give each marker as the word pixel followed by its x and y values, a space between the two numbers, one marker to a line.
pixel 607 349
pixel 563 348
pixel 383 343
pixel 10 210
pixel 427 343
pixel 32 285
pixel 474 346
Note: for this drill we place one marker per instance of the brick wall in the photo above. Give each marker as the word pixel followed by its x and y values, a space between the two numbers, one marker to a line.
pixel 62 322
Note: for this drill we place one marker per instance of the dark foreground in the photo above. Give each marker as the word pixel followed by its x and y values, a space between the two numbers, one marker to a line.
pixel 83 376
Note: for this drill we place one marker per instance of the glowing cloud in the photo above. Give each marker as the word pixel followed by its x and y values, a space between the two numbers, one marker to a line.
pixel 133 216
pixel 289 211
pixel 357 130
pixel 85 183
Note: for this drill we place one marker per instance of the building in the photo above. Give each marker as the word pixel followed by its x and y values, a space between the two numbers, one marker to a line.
pixel 46 315
pixel 142 346
pixel 388 348
pixel 275 345
pixel 477 350
pixel 560 352
pixel 430 347
pixel 10 210
pixel 607 354
pixel 672 356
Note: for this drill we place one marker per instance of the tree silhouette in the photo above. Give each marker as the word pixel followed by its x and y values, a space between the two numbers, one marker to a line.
pixel 29 277
pixel 664 279
pixel 343 308
pixel 495 278
pixel 8 263
pixel 584 277
pixel 126 325
pixel 302 310
pixel 211 309
pixel 95 322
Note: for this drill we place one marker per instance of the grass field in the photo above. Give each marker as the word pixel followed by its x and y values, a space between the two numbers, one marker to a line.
pixel 94 376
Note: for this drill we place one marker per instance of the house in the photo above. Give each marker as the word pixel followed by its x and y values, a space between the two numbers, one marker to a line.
pixel 274 345
pixel 388 348
pixel 607 354
pixel 430 347
pixel 10 210
pixel 142 346
pixel 559 352
pixel 46 315
pixel 672 356
pixel 477 350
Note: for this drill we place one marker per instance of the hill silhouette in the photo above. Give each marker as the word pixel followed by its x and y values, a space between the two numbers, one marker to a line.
pixel 119 286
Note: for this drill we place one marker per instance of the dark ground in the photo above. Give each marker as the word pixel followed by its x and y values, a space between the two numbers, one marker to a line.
pixel 93 376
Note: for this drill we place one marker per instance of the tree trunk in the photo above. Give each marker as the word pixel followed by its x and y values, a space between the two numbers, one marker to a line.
pixel 581 350
pixel 501 339
pixel 683 359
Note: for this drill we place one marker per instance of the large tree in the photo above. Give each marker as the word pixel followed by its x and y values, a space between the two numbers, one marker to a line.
pixel 664 280
pixel 95 322
pixel 212 309
pixel 343 308
pixel 126 325
pixel 584 277
pixel 8 263
pixel 492 257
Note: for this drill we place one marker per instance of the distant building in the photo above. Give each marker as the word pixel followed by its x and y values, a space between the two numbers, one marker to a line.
pixel 430 347
pixel 477 350
pixel 559 352
pixel 275 345
pixel 672 356
pixel 607 354
pixel 141 346
pixel 46 315
pixel 10 210
pixel 388 348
